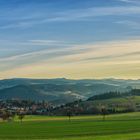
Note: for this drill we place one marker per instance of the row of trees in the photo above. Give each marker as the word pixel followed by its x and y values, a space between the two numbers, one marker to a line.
pixel 103 112
pixel 5 115
pixel 115 94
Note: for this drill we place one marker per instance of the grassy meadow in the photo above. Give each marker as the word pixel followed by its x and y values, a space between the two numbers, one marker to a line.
pixel 115 127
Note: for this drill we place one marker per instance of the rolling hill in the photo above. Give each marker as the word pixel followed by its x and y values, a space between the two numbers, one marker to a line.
pixel 61 90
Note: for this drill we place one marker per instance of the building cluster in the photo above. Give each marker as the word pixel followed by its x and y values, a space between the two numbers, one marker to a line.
pixel 25 107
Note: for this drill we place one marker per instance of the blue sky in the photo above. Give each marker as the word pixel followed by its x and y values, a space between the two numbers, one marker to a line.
pixel 36 32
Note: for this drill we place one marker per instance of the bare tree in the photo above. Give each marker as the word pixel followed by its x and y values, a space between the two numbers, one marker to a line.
pixel 103 112
pixel 69 113
pixel 21 116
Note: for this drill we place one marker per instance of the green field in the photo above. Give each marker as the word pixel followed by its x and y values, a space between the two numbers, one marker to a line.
pixel 115 127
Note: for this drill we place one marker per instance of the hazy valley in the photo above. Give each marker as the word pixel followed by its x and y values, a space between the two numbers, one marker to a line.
pixel 60 91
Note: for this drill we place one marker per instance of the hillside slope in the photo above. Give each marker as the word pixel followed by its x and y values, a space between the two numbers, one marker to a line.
pixel 60 91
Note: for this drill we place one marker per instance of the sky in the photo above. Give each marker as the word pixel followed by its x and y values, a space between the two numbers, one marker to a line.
pixel 75 39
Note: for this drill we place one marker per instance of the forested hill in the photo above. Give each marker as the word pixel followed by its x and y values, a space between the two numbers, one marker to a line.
pixel 109 95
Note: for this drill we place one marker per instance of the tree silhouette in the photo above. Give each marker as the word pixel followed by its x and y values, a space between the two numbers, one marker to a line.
pixel 5 115
pixel 69 113
pixel 103 112
pixel 21 116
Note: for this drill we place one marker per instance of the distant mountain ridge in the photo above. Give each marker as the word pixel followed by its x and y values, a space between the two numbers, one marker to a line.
pixel 61 90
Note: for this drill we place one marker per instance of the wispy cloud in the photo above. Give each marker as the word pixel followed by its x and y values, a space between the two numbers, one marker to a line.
pixel 48 42
pixel 77 61
pixel 130 24
pixel 74 15
pixel 46 54
pixel 35 42
pixel 131 1
pixel 41 40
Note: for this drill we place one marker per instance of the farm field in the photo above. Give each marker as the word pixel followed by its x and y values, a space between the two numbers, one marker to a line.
pixel 115 127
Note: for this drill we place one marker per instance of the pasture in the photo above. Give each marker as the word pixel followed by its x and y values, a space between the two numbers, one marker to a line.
pixel 115 127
